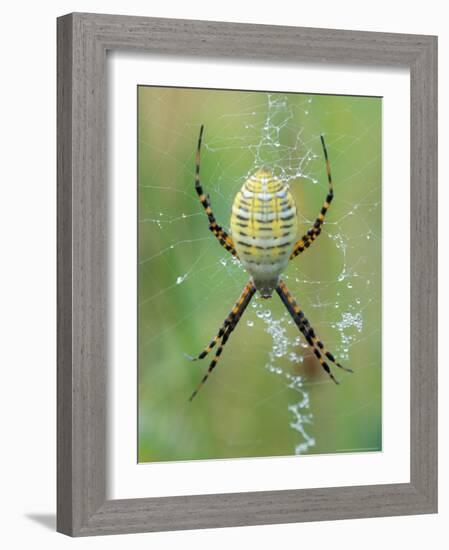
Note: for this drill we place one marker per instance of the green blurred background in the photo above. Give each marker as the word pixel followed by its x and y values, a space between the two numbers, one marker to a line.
pixel 268 395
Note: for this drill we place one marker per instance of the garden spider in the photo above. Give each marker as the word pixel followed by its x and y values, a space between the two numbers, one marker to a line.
pixel 263 228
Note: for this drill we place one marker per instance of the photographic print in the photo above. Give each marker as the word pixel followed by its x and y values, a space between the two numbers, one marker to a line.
pixel 259 274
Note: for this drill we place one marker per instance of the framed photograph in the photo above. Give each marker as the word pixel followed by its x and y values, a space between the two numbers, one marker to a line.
pixel 247 280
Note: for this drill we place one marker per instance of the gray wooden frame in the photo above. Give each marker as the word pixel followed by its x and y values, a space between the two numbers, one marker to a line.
pixel 83 40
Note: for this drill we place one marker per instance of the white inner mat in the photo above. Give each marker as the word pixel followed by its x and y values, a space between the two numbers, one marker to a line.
pixel 126 478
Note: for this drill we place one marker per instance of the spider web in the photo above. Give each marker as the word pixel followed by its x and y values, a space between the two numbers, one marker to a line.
pixel 338 298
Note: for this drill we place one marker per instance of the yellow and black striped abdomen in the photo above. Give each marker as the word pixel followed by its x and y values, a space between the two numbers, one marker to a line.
pixel 264 228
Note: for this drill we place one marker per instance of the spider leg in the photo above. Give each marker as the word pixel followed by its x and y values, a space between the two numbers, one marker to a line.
pixel 223 237
pixel 236 313
pixel 307 239
pixel 226 323
pixel 308 332
pixel 212 343
pixel 324 351
pixel 212 365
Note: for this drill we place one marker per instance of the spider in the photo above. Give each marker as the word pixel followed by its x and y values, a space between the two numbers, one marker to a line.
pixel 263 234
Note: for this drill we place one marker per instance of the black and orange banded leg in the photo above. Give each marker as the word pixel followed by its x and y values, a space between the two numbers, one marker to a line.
pixel 228 321
pixel 223 238
pixel 308 332
pixel 307 239
pixel 212 343
pixel 225 332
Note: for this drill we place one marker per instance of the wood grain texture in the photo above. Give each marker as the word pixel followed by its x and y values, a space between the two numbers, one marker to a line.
pixel 83 40
pixel 64 277
pixel 423 272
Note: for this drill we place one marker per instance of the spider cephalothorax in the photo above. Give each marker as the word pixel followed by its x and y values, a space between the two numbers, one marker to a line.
pixel 263 227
